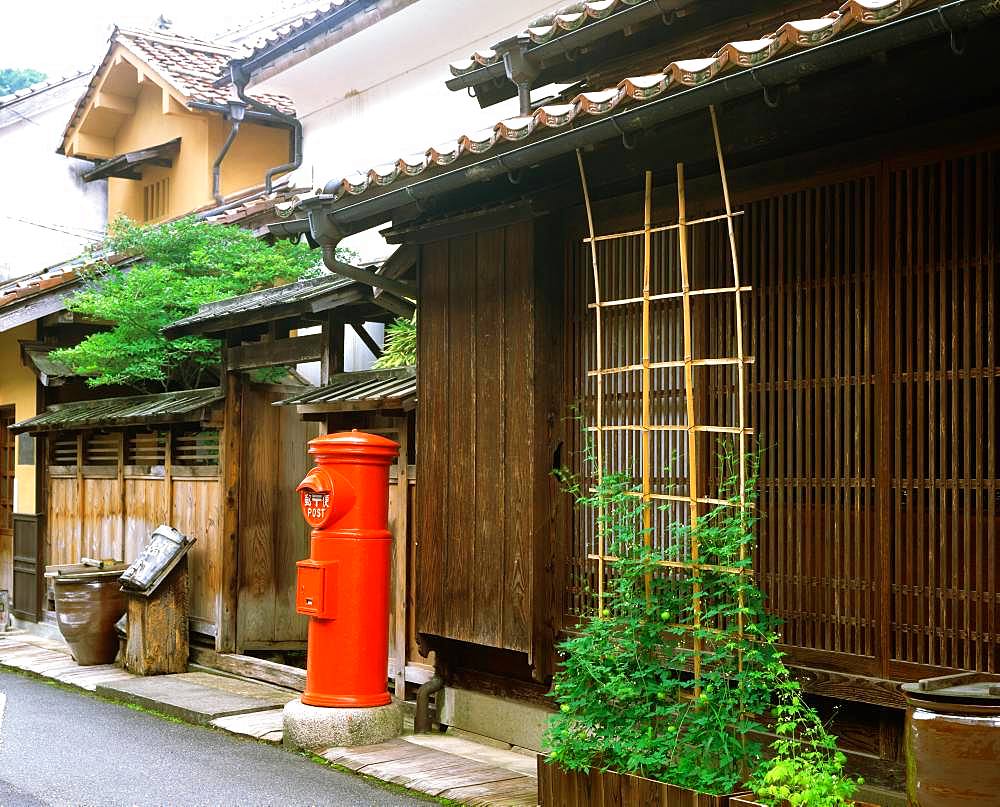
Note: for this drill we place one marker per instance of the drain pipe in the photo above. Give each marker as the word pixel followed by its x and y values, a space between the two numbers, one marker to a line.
pixel 327 235
pixel 237 111
pixel 422 716
pixel 240 81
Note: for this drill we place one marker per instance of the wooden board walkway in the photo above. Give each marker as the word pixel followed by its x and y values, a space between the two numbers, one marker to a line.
pixel 439 773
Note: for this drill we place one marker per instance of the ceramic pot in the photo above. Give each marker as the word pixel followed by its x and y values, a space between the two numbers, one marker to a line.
pixel 87 610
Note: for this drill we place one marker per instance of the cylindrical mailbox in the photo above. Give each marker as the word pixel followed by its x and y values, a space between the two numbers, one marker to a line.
pixel 344 585
pixel 953 741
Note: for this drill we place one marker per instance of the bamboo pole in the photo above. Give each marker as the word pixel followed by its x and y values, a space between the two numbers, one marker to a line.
pixel 598 360
pixel 693 502
pixel 740 372
pixel 647 477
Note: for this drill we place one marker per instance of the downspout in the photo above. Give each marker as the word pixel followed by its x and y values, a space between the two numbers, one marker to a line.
pixel 240 81
pixel 422 715
pixel 237 110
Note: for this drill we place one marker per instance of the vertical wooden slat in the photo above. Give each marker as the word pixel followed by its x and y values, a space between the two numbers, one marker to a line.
pixel 433 439
pixel 489 451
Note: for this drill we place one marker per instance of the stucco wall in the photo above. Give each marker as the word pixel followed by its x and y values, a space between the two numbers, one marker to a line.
pixel 42 187
pixel 256 149
pixel 17 388
pixel 381 93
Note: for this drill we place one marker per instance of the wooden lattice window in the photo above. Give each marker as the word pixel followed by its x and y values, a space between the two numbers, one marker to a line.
pixel 146 448
pixel 6 471
pixel 63 449
pixel 101 448
pixel 156 199
pixel 195 448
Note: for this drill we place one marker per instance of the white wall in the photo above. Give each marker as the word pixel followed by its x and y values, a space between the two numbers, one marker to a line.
pixel 42 187
pixel 381 93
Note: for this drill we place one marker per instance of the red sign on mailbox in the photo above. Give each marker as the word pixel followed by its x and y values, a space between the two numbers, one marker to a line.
pixel 316 492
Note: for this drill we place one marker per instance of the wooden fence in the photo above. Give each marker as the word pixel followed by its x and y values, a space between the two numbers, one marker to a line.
pixel 108 490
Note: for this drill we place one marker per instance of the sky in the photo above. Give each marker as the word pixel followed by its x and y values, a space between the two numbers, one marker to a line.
pixel 60 37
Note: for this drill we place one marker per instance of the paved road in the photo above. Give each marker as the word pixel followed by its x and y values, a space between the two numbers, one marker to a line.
pixel 59 747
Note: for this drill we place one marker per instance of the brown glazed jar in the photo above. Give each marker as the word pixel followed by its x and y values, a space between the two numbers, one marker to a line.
pixel 953 741
pixel 87 608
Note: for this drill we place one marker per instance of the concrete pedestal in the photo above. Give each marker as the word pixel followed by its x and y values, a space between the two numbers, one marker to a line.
pixel 317 728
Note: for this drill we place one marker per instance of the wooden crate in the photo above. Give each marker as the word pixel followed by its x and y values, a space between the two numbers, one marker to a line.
pixel 558 787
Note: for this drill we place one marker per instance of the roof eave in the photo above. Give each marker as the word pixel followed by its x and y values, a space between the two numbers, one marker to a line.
pixel 349 214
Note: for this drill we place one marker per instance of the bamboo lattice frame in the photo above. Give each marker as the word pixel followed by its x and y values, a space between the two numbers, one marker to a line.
pixel 695 498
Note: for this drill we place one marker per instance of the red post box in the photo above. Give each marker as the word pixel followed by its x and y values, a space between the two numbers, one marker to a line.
pixel 344 585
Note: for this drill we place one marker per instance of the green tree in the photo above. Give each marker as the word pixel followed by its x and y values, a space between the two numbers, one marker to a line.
pixel 13 79
pixel 187 263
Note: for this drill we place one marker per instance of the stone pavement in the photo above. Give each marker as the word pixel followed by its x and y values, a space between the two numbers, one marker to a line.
pixel 442 765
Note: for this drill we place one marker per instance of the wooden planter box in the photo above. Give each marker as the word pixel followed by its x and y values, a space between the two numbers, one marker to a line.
pixel 748 801
pixel 558 787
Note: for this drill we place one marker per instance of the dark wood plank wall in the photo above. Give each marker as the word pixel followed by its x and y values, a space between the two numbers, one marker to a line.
pixel 489 376
pixel 272 533
pixel 876 399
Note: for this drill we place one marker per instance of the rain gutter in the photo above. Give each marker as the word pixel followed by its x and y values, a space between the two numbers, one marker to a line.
pixel 345 216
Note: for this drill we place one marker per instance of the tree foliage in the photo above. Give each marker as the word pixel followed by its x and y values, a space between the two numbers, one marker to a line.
pixel 187 263
pixel 13 79
pixel 400 344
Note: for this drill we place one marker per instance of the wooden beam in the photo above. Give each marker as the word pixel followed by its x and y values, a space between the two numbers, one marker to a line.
pixel 121 104
pixel 370 278
pixel 398 264
pixel 397 305
pixel 332 358
pixel 371 344
pixel 249 667
pixel 275 353
pixel 83 144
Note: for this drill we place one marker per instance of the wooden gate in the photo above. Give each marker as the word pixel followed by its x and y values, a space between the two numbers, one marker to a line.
pixel 272 533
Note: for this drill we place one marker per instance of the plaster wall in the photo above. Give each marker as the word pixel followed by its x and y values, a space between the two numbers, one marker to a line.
pixel 381 93
pixel 17 388
pixel 256 149
pixel 48 214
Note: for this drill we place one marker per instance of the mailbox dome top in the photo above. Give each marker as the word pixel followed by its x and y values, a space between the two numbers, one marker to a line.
pixel 354 443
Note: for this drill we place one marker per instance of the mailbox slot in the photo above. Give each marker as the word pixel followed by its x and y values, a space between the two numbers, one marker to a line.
pixel 316 588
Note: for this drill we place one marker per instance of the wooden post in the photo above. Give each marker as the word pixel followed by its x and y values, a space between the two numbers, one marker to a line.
pixel 232 459
pixel 158 627
pixel 399 553
pixel 332 361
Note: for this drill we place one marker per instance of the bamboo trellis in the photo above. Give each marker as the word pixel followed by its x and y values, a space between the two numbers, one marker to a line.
pixel 695 498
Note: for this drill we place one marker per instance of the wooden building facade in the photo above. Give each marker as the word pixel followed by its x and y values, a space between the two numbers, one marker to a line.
pixel 867 234
pixel 117 468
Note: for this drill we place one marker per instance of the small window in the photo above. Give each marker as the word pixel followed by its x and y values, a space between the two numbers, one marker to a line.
pixel 101 448
pixel 146 448
pixel 196 447
pixel 63 449
pixel 156 199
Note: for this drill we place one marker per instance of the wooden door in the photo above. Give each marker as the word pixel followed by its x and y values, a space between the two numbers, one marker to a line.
pixel 272 533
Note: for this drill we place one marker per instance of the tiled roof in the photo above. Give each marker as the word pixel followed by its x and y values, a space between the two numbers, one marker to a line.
pixel 376 389
pixel 190 64
pixel 41 86
pixel 249 205
pixel 547 28
pixel 297 293
pixel 631 91
pixel 284 32
pixel 183 406
pixel 253 31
